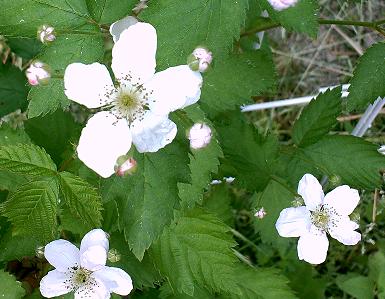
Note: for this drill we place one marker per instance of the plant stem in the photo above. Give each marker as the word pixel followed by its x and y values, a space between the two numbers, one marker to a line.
pixel 270 24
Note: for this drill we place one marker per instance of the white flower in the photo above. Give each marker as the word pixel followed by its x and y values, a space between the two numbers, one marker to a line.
pixel 38 73
pixel 199 135
pixel 320 215
pixel 119 26
pixel 46 34
pixel 83 271
pixel 136 110
pixel 282 4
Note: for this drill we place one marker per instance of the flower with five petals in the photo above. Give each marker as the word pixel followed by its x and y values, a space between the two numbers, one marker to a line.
pixel 136 109
pixel 83 271
pixel 321 214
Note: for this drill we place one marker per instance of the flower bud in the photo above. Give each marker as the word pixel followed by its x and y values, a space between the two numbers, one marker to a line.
pixel 114 256
pixel 229 179
pixel 46 34
pixel 38 73
pixel 381 150
pixel 282 4
pixel 261 213
pixel 125 166
pixel 297 202
pixel 39 252
pixel 199 135
pixel 335 180
pixel 200 59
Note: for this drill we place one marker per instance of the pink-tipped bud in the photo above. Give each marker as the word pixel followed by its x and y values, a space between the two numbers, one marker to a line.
pixel 125 166
pixel 261 213
pixel 200 60
pixel 282 4
pixel 38 73
pixel 46 34
pixel 199 136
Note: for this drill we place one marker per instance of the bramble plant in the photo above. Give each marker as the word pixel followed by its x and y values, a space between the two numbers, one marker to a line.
pixel 127 169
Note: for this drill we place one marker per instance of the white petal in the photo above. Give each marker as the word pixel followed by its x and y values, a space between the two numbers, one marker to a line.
pixel 343 199
pixel 153 133
pixel 343 231
pixel 174 88
pixel 119 26
pixel 293 222
pixel 53 284
pixel 61 254
pixel 313 248
pixel 93 249
pixel 88 84
pixel 134 52
pixel 103 141
pixel 311 191
pixel 96 291
pixel 115 279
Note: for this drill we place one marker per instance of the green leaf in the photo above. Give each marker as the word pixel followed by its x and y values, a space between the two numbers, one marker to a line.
pixel 274 198
pixel 147 198
pixel 67 48
pixel 166 292
pixel 26 48
pixel 32 209
pixel 368 79
pixel 261 283
pixel 358 286
pixel 353 159
pixel 301 18
pixel 318 118
pixel 251 155
pixel 218 202
pixel 196 249
pixel 108 11
pixel 27 159
pixel 13 89
pixel 57 136
pixel 211 23
pixel 203 162
pixel 82 199
pixel 11 136
pixel 24 17
pixel 71 222
pixel 143 273
pixel 232 81
pixel 377 272
pixel 10 288
pixel 17 247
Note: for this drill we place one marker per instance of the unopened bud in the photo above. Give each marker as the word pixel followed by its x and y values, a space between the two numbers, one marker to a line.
pixel 46 34
pixel 39 252
pixel 282 4
pixel 114 256
pixel 297 202
pixel 261 213
pixel 229 179
pixel 381 150
pixel 125 166
pixel 199 135
pixel 200 60
pixel 335 180
pixel 38 73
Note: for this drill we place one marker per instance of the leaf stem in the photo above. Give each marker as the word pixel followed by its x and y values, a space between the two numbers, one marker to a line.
pixel 270 24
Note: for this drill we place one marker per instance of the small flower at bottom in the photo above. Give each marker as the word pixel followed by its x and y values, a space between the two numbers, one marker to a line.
pixel 261 213
pixel 199 135
pixel 38 73
pixel 282 4
pixel 83 271
pixel 321 214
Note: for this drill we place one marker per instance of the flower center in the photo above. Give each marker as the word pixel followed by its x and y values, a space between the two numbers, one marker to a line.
pixel 80 279
pixel 324 217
